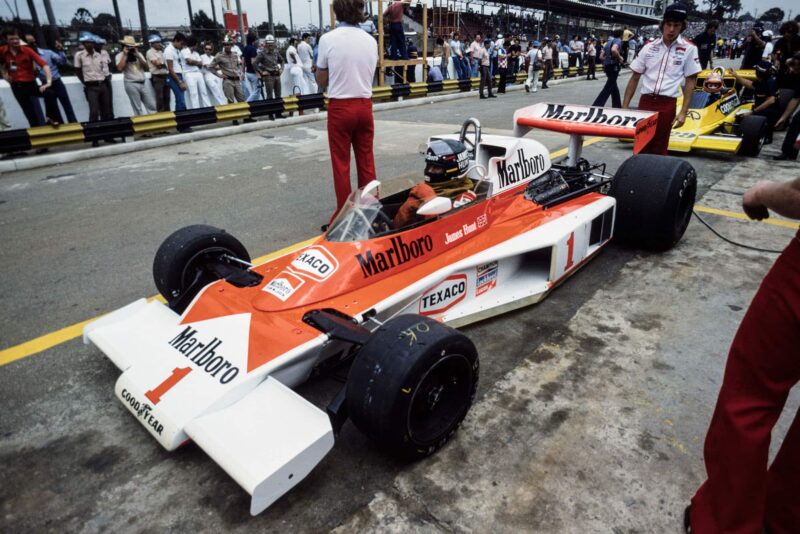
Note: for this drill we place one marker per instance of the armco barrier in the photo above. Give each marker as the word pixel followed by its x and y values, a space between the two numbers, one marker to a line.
pixel 48 136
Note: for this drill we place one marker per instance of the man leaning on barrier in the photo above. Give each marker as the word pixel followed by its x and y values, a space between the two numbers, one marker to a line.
pixel 158 72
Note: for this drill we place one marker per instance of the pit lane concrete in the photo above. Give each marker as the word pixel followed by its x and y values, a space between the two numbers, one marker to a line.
pixel 592 405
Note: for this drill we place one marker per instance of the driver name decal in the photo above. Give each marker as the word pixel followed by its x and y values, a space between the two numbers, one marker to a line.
pixel 466 229
pixel 525 167
pixel 444 296
pixel 315 262
pixel 399 253
pixel 204 355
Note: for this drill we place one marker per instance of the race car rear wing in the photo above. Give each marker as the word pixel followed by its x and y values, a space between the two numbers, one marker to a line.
pixel 578 121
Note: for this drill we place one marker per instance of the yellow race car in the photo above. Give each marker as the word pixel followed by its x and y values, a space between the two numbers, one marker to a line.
pixel 715 120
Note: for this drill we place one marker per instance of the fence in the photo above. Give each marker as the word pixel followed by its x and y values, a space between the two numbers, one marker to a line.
pixel 23 139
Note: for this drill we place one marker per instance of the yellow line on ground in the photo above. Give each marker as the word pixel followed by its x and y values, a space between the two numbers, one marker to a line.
pixel 743 217
pixel 42 343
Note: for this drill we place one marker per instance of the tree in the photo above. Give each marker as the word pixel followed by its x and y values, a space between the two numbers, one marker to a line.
pixel 82 17
pixel 797 18
pixel 105 25
pixel 774 14
pixel 722 9
pixel 747 17
pixel 280 29
pixel 204 29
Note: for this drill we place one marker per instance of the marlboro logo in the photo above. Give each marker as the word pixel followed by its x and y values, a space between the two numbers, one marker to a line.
pixel 204 355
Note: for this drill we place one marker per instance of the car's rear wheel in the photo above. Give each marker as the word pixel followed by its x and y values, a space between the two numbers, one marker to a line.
pixel 754 130
pixel 184 255
pixel 655 196
pixel 412 384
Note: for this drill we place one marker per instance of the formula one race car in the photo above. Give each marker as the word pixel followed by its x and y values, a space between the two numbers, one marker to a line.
pixel 381 291
pixel 715 120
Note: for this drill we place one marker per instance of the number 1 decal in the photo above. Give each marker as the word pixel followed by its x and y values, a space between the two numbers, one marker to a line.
pixel 570 251
pixel 177 375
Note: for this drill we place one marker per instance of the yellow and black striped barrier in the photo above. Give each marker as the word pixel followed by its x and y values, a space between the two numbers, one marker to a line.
pixel 47 136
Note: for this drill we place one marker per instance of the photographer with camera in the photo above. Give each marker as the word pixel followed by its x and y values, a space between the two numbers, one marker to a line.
pixel 132 64
pixel 753 47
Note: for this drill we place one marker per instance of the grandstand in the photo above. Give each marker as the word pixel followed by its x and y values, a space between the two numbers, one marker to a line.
pixel 564 17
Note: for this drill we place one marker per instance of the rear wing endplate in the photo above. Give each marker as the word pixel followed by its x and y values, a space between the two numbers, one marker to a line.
pixel 578 121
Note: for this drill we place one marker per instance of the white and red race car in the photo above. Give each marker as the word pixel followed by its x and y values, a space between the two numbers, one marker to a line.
pixel 217 363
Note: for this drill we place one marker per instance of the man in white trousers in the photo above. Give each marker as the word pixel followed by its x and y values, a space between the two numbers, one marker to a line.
pixel 212 77
pixel 193 76
pixel 306 54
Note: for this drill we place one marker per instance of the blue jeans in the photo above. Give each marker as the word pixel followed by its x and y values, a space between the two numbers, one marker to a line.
pixel 61 93
pixel 397 41
pixel 180 101
pixel 473 68
pixel 610 88
pixel 456 66
pixel 250 86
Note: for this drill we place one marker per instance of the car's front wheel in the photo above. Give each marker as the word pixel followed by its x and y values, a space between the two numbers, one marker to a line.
pixel 183 258
pixel 753 129
pixel 412 384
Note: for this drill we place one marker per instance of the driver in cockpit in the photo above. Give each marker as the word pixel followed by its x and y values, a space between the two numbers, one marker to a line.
pixel 714 85
pixel 446 162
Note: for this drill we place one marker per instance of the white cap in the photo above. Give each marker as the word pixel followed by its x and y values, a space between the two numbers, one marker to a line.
pixel 270 38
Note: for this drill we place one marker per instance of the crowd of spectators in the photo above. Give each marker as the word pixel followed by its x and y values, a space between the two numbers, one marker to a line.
pixel 181 73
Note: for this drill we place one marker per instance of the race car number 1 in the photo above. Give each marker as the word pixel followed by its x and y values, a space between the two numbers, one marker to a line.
pixel 177 375
pixel 570 251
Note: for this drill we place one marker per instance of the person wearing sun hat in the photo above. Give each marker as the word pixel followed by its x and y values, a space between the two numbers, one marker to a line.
pixel 132 64
pixel 663 66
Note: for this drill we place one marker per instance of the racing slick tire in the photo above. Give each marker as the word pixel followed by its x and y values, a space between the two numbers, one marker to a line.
pixel 655 196
pixel 182 255
pixel 754 130
pixel 412 384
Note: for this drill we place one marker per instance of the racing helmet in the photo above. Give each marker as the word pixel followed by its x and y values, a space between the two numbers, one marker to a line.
pixel 714 83
pixel 270 39
pixel 445 159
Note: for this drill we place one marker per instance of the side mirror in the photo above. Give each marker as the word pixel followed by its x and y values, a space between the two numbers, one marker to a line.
pixel 371 189
pixel 435 206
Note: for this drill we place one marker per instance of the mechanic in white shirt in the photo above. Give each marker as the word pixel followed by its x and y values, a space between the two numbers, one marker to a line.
pixel 295 67
pixel 346 62
pixel 306 54
pixel 174 60
pixel 197 96
pixel 663 65
pixel 766 36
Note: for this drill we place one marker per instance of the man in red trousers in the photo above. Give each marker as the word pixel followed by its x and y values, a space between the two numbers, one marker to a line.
pixel 345 65
pixel 663 66
pixel 741 494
